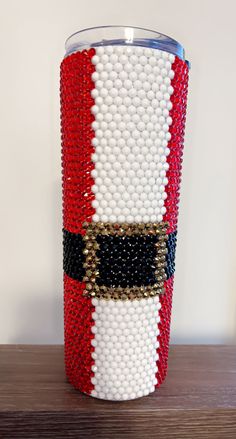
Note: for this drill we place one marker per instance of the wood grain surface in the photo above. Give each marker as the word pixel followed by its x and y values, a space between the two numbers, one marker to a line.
pixel 197 400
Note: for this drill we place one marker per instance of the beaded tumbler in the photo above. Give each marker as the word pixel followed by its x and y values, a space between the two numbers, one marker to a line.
pixel 123 106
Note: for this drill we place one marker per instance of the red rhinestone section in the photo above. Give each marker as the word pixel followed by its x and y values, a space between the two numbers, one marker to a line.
pixel 164 327
pixel 78 322
pixel 178 114
pixel 76 133
pixel 176 143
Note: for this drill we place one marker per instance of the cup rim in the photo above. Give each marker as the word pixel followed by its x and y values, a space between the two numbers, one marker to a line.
pixel 122 34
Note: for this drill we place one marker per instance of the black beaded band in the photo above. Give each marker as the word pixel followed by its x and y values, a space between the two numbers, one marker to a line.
pixel 73 257
pixel 126 261
pixel 120 260
pixel 170 257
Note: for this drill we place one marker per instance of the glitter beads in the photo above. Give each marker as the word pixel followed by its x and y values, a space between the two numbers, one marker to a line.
pixel 78 322
pixel 125 261
pixel 122 123
pixel 176 144
pixel 77 134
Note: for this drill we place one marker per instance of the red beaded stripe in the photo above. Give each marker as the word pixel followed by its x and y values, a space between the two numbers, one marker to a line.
pixel 76 132
pixel 176 143
pixel 78 322
pixel 164 327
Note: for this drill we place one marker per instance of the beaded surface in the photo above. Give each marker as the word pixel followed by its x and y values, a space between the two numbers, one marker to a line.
pixel 78 322
pixel 125 342
pixel 125 261
pixel 73 257
pixel 132 129
pixel 122 117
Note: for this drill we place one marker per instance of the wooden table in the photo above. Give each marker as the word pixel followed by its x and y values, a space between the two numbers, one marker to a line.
pixel 197 400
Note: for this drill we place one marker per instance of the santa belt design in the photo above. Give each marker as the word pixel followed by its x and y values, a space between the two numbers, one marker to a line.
pixel 120 261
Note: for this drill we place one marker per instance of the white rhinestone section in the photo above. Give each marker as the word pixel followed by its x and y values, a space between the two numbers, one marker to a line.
pixel 125 341
pixel 132 103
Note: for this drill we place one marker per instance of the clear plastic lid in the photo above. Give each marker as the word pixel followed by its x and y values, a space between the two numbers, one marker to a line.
pixel 122 35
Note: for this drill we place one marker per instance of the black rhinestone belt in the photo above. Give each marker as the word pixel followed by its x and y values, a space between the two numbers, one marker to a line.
pixel 120 261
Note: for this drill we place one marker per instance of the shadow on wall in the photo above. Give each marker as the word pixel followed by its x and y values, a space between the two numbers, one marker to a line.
pixel 39 318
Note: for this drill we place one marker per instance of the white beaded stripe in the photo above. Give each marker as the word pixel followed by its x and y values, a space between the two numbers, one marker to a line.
pixel 132 103
pixel 125 342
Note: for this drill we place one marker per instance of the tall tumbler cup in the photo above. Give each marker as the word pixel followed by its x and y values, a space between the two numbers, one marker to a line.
pixel 123 105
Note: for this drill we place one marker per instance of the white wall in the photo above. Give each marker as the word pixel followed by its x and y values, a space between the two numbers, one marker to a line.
pixel 31 47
